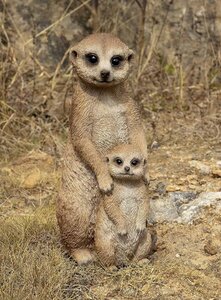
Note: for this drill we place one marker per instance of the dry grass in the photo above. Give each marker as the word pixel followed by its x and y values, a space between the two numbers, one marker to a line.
pixel 33 265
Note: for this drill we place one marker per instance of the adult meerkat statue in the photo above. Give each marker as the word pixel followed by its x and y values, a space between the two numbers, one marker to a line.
pixel 121 233
pixel 102 116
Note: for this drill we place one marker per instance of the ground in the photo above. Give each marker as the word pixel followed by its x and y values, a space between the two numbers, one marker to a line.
pixel 187 261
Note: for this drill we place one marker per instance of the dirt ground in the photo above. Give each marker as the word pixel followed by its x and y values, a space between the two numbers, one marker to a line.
pixel 187 261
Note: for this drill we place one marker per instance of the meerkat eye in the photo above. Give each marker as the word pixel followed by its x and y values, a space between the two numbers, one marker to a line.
pixel 92 58
pixel 135 162
pixel 118 161
pixel 116 60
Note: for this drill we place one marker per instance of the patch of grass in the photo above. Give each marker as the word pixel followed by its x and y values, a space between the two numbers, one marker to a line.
pixel 32 263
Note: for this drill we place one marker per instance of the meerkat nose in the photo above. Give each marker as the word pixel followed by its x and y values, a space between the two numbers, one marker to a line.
pixel 105 74
pixel 127 169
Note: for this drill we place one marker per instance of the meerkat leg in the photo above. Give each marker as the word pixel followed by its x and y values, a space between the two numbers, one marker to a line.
pixel 144 248
pixel 83 256
pixel 106 252
pixel 115 215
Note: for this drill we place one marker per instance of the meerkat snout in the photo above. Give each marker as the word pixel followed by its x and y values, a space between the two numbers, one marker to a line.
pixel 101 59
pixel 105 75
pixel 127 169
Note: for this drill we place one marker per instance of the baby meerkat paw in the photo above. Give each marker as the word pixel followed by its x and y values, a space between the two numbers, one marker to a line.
pixel 140 228
pixel 105 184
pixel 122 231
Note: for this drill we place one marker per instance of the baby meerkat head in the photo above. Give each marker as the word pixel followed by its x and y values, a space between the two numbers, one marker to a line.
pixel 101 59
pixel 126 162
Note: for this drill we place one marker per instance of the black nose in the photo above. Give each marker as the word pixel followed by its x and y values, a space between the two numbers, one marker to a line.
pixel 127 169
pixel 105 74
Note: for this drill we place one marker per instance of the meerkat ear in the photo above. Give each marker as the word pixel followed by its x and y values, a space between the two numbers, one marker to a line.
pixel 73 55
pixel 130 55
pixel 107 159
pixel 145 162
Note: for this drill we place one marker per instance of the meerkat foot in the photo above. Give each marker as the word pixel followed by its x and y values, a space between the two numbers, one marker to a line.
pixel 144 261
pixel 83 256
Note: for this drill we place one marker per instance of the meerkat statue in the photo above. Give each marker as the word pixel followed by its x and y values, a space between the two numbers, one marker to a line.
pixel 102 116
pixel 121 233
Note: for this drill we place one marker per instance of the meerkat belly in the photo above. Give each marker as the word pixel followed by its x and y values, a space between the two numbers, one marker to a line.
pixel 109 127
pixel 129 208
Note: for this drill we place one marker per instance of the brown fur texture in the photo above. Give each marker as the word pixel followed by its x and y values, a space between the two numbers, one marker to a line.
pixel 102 116
pixel 121 233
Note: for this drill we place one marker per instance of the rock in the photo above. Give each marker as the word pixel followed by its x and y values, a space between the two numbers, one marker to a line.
pixel 32 179
pixel 162 209
pixel 161 188
pixel 202 168
pixel 216 172
pixel 191 211
pixel 180 198
pixel 172 188
pixel 211 248
pixel 182 207
pixel 154 145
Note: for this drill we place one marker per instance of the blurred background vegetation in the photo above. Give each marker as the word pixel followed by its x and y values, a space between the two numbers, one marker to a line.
pixel 177 67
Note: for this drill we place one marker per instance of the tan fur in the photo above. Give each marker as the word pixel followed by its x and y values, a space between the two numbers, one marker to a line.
pixel 102 116
pixel 121 234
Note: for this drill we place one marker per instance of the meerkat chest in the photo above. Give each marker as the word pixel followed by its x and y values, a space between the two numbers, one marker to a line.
pixel 109 126
pixel 128 198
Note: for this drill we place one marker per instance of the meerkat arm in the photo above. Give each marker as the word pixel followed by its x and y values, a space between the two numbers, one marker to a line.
pixel 142 214
pixel 114 213
pixel 81 140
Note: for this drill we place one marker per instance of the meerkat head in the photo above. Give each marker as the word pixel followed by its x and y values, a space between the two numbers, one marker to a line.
pixel 101 59
pixel 126 162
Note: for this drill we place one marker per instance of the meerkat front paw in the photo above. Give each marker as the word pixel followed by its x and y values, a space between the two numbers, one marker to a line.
pixel 122 230
pixel 140 227
pixel 105 183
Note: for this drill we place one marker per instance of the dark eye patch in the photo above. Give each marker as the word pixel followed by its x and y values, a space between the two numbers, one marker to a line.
pixel 92 58
pixel 135 162
pixel 116 60
pixel 118 161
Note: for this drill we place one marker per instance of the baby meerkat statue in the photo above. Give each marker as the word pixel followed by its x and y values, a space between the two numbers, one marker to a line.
pixel 102 116
pixel 121 233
